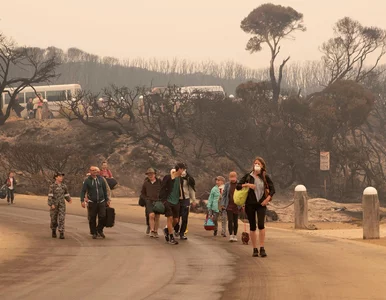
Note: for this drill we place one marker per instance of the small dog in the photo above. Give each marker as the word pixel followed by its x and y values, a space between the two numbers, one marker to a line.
pixel 245 238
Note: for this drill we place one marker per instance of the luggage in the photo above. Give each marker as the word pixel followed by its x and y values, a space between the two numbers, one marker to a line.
pixel 110 216
pixel 3 192
pixel 209 224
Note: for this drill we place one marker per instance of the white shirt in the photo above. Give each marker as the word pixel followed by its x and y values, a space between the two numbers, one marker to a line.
pixel 11 186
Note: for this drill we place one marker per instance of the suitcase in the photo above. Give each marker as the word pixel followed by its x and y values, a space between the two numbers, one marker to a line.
pixel 110 217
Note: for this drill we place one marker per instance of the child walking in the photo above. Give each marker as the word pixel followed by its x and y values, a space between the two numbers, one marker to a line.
pixel 214 202
pixel 228 204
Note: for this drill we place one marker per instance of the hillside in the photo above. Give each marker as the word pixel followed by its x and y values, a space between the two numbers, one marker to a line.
pixel 128 162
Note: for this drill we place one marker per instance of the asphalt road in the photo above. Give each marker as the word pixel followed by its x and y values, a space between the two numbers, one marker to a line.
pixel 130 265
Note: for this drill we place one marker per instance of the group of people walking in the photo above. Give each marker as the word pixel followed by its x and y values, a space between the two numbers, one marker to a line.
pixel 175 192
pixel 177 189
pixel 95 196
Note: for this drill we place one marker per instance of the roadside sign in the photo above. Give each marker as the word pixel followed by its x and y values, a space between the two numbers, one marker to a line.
pixel 324 161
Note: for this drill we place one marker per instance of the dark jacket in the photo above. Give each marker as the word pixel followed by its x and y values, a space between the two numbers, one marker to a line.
pixel 248 178
pixel 166 187
pixel 150 191
pixel 96 190
pixel 8 182
pixel 191 181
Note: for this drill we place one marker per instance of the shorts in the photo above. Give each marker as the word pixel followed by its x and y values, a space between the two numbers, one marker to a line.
pixel 172 210
pixel 255 209
pixel 149 206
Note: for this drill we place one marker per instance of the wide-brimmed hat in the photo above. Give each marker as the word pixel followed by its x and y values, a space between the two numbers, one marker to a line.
pixel 150 170
pixel 56 174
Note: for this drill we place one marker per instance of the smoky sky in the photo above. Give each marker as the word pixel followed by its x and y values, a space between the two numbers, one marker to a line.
pixel 197 30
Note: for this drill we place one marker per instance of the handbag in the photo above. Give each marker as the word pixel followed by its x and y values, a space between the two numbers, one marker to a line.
pixel 240 196
pixel 141 201
pixel 3 192
pixel 158 207
pixel 209 224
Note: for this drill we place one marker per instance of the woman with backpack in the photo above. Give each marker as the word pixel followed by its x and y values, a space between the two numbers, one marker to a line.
pixel 261 191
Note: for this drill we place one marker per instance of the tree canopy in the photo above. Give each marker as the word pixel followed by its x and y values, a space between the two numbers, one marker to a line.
pixel 269 24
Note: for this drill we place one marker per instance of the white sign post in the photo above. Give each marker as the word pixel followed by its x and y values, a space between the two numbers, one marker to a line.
pixel 325 166
pixel 325 161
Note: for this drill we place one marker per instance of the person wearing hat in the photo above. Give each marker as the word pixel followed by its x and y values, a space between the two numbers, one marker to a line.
pixel 57 194
pixel 213 201
pixel 150 192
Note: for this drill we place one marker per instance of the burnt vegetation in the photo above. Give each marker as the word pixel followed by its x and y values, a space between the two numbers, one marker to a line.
pixel 287 113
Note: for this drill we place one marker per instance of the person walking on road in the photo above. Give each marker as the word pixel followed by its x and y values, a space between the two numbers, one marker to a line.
pixel 170 196
pixel 10 183
pixel 57 196
pixel 214 202
pixel 97 200
pixel 150 192
pixel 188 193
pixel 230 207
pixel 261 191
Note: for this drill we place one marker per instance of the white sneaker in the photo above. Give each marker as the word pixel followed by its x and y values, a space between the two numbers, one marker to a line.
pixel 231 238
pixel 235 238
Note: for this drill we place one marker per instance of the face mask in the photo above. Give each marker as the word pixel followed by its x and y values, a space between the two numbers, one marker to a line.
pixel 257 168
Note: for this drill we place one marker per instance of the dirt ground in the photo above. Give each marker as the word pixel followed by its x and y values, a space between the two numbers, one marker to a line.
pixel 12 243
pixel 231 273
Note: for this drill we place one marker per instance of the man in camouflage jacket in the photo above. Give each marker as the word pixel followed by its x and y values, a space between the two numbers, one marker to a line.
pixel 57 193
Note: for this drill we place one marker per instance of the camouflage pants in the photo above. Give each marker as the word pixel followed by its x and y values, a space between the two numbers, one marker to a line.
pixel 224 218
pixel 57 216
